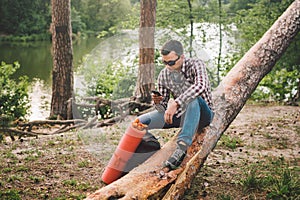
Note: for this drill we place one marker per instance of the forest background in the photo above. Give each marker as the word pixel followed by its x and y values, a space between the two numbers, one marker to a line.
pixel 29 21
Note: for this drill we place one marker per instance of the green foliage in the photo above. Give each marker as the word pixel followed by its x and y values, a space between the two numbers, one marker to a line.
pixel 25 17
pixel 78 25
pixel 279 85
pixel 116 81
pixel 26 38
pixel 133 17
pixel 253 18
pixel 179 17
pixel 101 15
pixel 113 81
pixel 236 5
pixel 106 82
pixel 257 18
pixel 13 94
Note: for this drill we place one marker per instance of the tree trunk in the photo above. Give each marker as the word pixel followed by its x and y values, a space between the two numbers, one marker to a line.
pixel 145 82
pixel 145 182
pixel 192 26
pixel 62 72
pixel 220 42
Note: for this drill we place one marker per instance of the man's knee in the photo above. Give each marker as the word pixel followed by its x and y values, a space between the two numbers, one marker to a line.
pixel 194 104
pixel 144 120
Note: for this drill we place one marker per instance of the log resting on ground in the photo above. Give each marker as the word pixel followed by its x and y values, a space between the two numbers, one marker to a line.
pixel 145 182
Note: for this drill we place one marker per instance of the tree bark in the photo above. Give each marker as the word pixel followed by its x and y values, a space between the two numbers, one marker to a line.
pixel 145 182
pixel 62 72
pixel 220 42
pixel 192 26
pixel 145 82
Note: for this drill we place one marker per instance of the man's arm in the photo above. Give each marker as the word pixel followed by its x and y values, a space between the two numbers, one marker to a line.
pixel 165 92
pixel 172 108
pixel 201 83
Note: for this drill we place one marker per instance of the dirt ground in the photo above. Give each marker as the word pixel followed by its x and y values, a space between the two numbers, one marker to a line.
pixel 266 139
pixel 261 140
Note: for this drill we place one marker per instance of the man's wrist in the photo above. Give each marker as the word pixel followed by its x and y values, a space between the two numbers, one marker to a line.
pixel 177 104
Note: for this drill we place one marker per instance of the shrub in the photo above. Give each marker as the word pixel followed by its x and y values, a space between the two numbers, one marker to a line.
pixel 112 81
pixel 14 102
pixel 280 85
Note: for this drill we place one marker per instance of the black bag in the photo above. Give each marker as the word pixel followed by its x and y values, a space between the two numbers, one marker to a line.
pixel 148 146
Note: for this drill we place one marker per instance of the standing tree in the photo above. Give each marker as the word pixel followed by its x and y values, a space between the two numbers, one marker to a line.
pixel 62 73
pixel 145 81
pixel 192 27
pixel 220 40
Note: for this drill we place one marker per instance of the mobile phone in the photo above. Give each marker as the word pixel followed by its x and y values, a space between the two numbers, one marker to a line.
pixel 156 92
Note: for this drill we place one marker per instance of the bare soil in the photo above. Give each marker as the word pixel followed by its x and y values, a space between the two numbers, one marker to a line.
pixel 69 166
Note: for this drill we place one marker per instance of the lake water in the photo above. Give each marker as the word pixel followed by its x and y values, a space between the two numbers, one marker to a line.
pixel 36 60
pixel 36 63
pixel 35 57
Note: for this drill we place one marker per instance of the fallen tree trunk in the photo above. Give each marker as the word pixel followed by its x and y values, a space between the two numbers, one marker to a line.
pixel 146 182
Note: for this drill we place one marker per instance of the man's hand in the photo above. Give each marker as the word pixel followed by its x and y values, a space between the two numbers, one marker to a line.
pixel 172 108
pixel 156 99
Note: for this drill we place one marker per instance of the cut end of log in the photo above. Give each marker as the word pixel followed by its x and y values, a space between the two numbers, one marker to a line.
pixel 138 125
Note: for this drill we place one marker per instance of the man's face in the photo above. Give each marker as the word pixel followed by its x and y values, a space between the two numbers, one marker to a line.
pixel 172 61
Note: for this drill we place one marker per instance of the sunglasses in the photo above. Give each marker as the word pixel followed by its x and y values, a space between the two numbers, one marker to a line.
pixel 171 62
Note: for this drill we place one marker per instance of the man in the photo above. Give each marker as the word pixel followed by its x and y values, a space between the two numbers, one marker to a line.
pixel 185 80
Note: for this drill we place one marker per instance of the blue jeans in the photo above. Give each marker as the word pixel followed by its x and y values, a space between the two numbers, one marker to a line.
pixel 197 116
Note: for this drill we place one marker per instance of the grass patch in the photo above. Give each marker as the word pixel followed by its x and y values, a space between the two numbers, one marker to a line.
pixel 10 155
pixel 83 164
pixel 36 179
pixel 252 181
pixel 224 197
pixel 31 158
pixel 51 143
pixel 83 186
pixel 13 178
pixel 231 142
pixel 22 169
pixel 276 178
pixel 71 182
pixel 10 195
pixel 7 170
pixel 285 185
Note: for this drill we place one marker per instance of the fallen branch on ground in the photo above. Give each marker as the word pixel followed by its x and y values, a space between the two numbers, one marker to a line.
pixel 124 106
